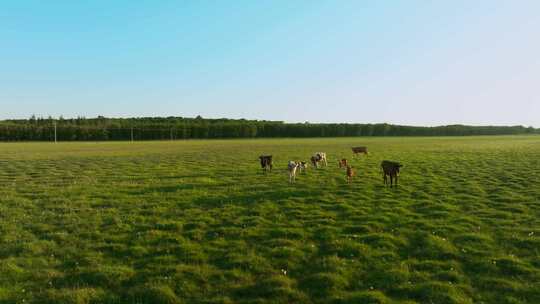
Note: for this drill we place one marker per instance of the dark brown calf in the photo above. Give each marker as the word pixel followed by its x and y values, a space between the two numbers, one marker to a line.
pixel 391 169
pixel 314 161
pixel 303 166
pixel 358 150
pixel 266 162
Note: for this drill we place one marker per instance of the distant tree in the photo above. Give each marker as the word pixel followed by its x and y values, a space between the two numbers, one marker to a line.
pixel 153 128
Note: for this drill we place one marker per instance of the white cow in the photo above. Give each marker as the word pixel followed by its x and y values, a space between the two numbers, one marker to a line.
pixel 292 167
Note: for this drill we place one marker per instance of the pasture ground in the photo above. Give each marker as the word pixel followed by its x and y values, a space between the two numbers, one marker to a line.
pixel 197 222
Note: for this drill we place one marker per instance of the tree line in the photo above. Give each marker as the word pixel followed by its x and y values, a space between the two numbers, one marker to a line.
pixel 166 128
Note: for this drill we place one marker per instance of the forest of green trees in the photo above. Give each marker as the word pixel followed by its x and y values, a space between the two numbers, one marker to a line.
pixel 160 128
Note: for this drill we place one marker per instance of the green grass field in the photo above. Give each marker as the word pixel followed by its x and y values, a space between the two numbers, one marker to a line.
pixel 197 222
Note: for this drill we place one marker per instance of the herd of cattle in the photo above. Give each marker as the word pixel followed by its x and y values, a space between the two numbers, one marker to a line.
pixel 389 168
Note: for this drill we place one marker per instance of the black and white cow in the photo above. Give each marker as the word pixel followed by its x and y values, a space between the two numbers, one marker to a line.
pixel 319 157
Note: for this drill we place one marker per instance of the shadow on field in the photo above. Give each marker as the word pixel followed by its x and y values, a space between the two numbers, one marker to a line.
pixel 252 197
pixel 169 189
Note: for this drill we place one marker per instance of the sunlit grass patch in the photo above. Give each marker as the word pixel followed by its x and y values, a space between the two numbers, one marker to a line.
pixel 198 222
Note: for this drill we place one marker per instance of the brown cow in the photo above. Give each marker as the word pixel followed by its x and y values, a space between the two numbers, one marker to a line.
pixel 266 162
pixel 358 150
pixel 390 168
pixel 350 174
pixel 343 163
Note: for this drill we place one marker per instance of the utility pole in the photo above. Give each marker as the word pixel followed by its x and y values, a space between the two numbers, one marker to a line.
pixel 55 139
pixel 131 134
pixel 172 135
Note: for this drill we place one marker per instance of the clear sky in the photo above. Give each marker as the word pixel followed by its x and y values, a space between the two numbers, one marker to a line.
pixel 408 62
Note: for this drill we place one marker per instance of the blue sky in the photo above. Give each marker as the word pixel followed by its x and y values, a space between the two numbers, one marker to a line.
pixel 406 62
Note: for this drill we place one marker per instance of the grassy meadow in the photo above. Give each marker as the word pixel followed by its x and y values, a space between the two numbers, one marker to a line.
pixel 198 222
